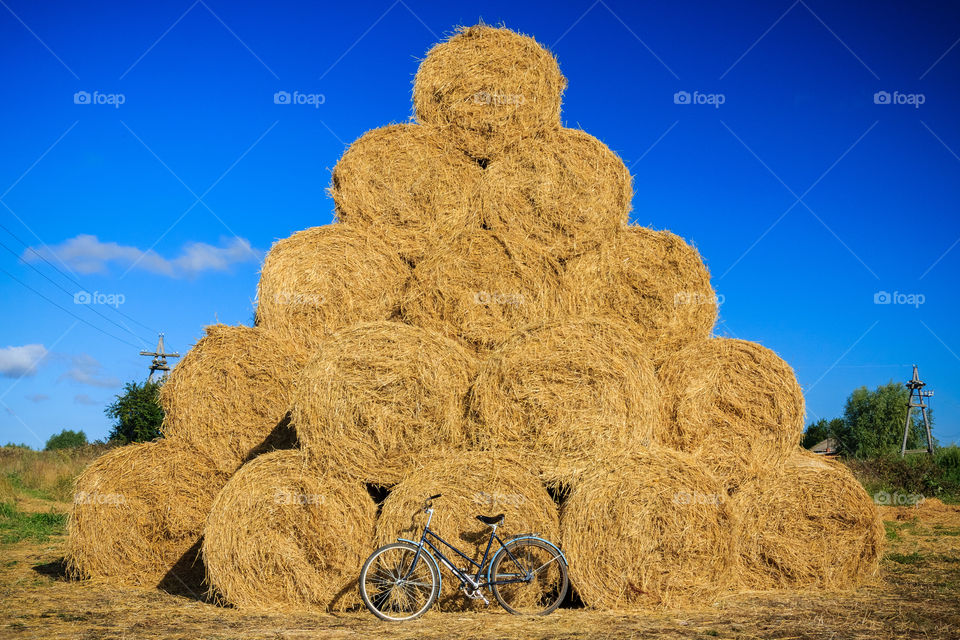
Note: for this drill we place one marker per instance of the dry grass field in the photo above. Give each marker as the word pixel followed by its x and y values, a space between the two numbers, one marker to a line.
pixel 915 596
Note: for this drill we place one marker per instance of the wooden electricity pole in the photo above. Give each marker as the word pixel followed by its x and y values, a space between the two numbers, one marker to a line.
pixel 917 397
pixel 159 359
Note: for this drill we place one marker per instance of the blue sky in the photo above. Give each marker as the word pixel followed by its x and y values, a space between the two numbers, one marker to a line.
pixel 808 191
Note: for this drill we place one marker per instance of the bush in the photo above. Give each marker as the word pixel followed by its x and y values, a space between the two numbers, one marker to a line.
pixel 66 439
pixel 936 476
pixel 137 413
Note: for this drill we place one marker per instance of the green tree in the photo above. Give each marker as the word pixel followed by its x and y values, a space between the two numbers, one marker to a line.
pixel 873 422
pixel 66 439
pixel 136 413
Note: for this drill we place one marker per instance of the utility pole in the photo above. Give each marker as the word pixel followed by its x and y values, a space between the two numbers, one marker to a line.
pixel 917 397
pixel 159 359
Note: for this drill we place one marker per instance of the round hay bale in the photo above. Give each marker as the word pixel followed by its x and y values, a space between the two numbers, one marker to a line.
pixel 283 535
pixel 138 514
pixel 735 404
pixel 566 191
pixel 378 393
pixel 567 391
pixel 472 483
pixel 806 524
pixel 649 530
pixel 325 278
pixel 652 280
pixel 479 289
pixel 488 87
pixel 227 399
pixel 406 183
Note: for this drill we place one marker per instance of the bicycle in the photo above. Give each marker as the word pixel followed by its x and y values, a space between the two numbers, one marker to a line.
pixel 401 581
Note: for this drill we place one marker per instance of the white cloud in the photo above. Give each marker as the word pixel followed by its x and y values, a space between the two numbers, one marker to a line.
pixel 86 254
pixel 37 397
pixel 17 362
pixel 86 369
pixel 82 398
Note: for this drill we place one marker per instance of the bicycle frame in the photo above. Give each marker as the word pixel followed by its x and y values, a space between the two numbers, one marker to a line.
pixel 464 578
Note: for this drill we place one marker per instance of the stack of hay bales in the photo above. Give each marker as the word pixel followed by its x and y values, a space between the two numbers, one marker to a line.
pixel 482 321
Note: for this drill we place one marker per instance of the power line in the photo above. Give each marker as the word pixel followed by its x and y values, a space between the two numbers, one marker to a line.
pixel 59 286
pixel 67 311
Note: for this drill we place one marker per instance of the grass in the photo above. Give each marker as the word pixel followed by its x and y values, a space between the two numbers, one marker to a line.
pixel 45 475
pixel 920 474
pixel 38 527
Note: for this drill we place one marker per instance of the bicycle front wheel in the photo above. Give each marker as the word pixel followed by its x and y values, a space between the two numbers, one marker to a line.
pixel 393 588
pixel 529 580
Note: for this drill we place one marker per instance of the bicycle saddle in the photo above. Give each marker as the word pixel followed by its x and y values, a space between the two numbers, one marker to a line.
pixel 491 520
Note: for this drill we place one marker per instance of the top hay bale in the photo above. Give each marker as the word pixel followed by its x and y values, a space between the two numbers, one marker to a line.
pixel 653 281
pixel 407 184
pixel 228 397
pixel 487 87
pixel 323 279
pixel 736 404
pixel 566 191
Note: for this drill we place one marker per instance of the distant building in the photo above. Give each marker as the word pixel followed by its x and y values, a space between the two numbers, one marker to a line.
pixel 828 447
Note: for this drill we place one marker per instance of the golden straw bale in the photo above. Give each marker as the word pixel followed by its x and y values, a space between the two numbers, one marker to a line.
pixel 378 393
pixel 566 191
pixel 806 524
pixel 652 280
pixel 567 391
pixel 282 535
pixel 487 87
pixel 648 530
pixel 472 483
pixel 228 397
pixel 405 183
pixel 138 514
pixel 325 278
pixel 479 289
pixel 735 404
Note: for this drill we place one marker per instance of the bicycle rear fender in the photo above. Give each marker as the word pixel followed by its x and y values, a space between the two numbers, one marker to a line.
pixel 530 537
pixel 426 550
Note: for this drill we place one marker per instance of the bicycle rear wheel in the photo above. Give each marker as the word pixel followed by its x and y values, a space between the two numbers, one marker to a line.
pixel 540 576
pixel 390 590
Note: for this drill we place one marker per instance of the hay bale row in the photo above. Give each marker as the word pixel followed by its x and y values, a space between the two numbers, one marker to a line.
pixel 379 393
pixel 138 514
pixel 282 534
pixel 228 398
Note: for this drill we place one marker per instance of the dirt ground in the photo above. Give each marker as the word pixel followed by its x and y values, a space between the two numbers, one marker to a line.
pixel 916 595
